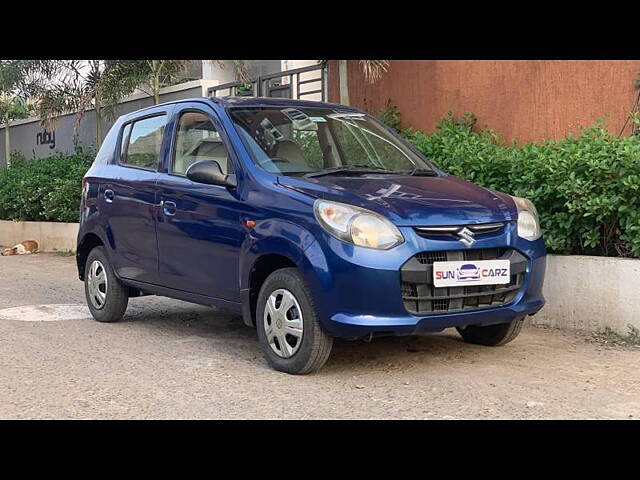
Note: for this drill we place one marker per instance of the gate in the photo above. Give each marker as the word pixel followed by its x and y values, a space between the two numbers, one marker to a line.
pixel 285 84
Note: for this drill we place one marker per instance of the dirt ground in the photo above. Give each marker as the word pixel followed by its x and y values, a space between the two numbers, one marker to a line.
pixel 170 359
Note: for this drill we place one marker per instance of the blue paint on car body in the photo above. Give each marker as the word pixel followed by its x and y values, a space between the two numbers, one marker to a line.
pixel 166 234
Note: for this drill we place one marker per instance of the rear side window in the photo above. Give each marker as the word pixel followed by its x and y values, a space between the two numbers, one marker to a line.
pixel 141 142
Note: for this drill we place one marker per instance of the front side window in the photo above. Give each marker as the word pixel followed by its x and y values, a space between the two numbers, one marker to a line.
pixel 142 141
pixel 197 139
pixel 301 140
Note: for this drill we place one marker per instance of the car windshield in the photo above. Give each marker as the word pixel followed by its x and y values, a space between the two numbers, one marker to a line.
pixel 322 141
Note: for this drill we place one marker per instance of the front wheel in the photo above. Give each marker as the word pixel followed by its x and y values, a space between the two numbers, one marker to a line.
pixel 289 331
pixel 492 335
pixel 107 298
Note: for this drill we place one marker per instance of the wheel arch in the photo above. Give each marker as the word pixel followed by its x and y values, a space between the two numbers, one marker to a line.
pixel 88 243
pixel 275 243
pixel 263 266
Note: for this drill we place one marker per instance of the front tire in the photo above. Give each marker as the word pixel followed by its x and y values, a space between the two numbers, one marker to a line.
pixel 492 335
pixel 289 331
pixel 107 297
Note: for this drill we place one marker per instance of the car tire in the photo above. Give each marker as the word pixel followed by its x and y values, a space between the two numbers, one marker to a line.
pixel 314 346
pixel 492 335
pixel 108 300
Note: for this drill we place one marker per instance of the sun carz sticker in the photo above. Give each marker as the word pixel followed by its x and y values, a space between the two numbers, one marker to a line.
pixel 479 272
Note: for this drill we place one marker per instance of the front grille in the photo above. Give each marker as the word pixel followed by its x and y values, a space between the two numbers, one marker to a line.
pixel 421 297
pixel 480 230
pixel 427 258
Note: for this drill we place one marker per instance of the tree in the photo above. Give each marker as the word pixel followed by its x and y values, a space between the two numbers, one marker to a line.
pixel 152 75
pixel 11 108
pixel 18 81
pixel 78 85
pixel 373 71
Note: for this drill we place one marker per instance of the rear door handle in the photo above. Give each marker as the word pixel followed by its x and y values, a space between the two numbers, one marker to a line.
pixel 109 195
pixel 169 208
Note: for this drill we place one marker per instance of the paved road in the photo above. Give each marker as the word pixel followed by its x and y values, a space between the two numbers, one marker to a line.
pixel 170 359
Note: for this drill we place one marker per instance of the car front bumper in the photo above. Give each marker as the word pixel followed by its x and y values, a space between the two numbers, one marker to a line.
pixel 357 291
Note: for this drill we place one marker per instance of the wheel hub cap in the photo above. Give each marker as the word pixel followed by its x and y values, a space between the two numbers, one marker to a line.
pixel 97 284
pixel 283 323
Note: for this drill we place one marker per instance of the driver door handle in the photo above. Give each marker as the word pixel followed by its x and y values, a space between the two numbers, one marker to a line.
pixel 169 208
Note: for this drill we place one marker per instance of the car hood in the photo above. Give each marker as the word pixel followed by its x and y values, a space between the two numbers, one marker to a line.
pixel 411 200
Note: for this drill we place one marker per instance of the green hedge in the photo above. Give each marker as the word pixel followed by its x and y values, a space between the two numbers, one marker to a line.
pixel 44 190
pixel 585 188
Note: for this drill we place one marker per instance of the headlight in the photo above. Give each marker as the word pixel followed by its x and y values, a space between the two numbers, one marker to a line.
pixel 528 222
pixel 357 225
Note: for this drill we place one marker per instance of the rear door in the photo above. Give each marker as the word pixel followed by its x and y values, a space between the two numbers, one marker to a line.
pixel 199 233
pixel 130 197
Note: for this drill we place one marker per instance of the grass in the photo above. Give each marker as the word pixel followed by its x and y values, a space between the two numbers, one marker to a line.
pixel 64 253
pixel 613 338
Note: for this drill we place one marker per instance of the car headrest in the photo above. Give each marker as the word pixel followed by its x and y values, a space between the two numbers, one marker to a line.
pixel 289 150
pixel 211 149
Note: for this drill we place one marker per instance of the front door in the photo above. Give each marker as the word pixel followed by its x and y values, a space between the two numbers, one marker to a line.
pixel 198 225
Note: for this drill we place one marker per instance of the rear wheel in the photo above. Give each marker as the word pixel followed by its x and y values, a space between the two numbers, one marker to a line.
pixel 289 331
pixel 107 298
pixel 492 335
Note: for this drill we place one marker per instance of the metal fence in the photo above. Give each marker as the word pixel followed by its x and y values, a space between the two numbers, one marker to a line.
pixel 285 84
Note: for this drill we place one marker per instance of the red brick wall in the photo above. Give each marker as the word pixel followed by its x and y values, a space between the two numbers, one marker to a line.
pixel 523 99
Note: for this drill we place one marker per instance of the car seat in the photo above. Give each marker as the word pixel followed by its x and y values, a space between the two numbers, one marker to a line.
pixel 205 149
pixel 291 151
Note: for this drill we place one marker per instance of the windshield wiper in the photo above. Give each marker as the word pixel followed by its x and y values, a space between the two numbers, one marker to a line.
pixel 423 172
pixel 356 168
pixel 365 168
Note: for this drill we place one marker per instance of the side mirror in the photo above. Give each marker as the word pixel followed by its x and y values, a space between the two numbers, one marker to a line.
pixel 209 172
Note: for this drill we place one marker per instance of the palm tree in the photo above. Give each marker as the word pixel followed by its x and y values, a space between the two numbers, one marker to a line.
pixel 155 74
pixel 152 75
pixel 373 71
pixel 79 85
pixel 17 83
pixel 11 108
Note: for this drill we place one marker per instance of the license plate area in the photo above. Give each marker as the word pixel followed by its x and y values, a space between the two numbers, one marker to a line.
pixel 471 272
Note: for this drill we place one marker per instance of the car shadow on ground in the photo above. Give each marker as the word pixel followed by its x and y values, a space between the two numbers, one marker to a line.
pixel 399 353
pixel 386 353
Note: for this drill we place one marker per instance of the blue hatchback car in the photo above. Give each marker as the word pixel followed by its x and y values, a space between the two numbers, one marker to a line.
pixel 310 220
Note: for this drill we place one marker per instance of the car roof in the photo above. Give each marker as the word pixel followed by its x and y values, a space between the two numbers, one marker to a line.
pixel 244 101
pixel 255 102
pixel 247 101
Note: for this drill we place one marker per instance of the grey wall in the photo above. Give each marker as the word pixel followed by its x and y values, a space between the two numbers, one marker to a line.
pixel 24 137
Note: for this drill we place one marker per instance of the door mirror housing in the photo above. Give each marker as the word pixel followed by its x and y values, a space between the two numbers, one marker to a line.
pixel 209 172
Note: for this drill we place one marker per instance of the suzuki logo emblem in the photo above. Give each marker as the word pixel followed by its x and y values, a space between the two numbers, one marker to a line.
pixel 466 236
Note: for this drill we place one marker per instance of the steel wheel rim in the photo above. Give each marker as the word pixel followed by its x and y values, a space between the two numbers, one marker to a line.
pixel 283 324
pixel 97 284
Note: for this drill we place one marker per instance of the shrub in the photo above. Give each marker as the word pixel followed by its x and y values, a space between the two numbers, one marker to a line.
pixel 585 188
pixel 48 189
pixel 390 115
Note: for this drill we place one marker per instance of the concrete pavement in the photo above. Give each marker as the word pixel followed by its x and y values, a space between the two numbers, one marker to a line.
pixel 170 359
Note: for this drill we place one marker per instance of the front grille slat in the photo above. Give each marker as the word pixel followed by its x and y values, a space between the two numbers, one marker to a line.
pixel 421 297
pixel 492 293
pixel 450 232
pixel 427 258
